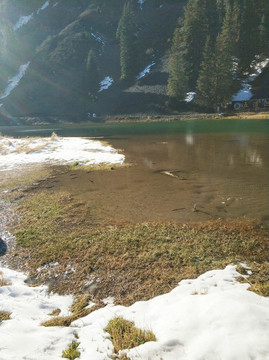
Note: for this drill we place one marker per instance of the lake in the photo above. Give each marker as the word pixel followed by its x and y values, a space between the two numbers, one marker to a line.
pixel 180 171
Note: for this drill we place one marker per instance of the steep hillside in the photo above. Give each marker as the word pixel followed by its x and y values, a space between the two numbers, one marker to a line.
pixel 44 50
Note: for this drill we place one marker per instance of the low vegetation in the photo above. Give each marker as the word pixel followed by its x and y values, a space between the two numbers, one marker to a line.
pixel 4 315
pixel 79 309
pixel 3 281
pixel 125 335
pixel 129 262
pixel 72 351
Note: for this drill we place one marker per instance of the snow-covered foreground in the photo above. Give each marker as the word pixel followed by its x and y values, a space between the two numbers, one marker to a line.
pixel 212 317
pixel 55 150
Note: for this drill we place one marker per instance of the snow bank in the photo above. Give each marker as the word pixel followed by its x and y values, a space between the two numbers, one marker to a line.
pixel 106 83
pixel 19 152
pixel 15 80
pixel 145 71
pixel 22 337
pixel 211 317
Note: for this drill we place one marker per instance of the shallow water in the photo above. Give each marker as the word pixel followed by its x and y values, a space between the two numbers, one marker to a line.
pixel 184 171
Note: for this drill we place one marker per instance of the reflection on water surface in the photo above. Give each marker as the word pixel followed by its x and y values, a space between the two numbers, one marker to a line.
pixel 184 171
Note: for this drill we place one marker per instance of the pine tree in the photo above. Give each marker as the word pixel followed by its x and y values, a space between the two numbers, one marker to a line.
pixel 178 79
pixel 205 91
pixel 247 44
pixel 127 35
pixel 215 81
pixel 264 32
pixel 195 32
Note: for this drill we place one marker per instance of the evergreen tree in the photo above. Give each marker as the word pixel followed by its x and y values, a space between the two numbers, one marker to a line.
pixel 92 74
pixel 215 81
pixel 195 32
pixel 127 35
pixel 247 44
pixel 178 79
pixel 264 32
pixel 205 91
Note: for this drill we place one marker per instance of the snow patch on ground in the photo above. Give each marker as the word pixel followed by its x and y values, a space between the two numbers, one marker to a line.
pixel 52 151
pixel 145 71
pixel 15 80
pixel 106 83
pixel 211 317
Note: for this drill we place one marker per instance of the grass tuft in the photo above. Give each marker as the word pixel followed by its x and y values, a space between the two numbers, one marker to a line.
pixel 3 281
pixel 72 351
pixel 4 315
pixel 79 310
pixel 125 335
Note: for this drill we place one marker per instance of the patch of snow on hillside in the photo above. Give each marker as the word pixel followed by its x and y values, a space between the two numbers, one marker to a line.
pixel 23 20
pixel 106 83
pixel 15 80
pixel 141 2
pixel 211 317
pixel 190 96
pixel 245 94
pixel 145 71
pixel 43 7
pixel 53 151
pixel 258 69
pixel 98 38
pixel 57 3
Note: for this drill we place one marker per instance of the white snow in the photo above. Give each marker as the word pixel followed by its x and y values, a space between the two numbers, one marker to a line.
pixel 245 93
pixel 98 38
pixel 15 80
pixel 145 71
pixel 20 152
pixel 23 20
pixel 106 83
pixel 57 3
pixel 213 317
pixel 43 7
pixel 22 337
pixel 141 3
pixel 190 96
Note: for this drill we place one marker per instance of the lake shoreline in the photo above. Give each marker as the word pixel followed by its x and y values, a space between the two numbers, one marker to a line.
pixel 135 118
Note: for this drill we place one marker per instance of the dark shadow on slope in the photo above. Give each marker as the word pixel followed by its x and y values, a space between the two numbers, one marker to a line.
pixel 3 247
pixel 156 78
